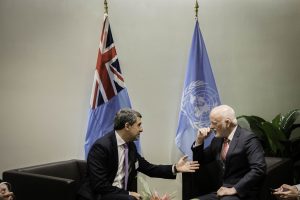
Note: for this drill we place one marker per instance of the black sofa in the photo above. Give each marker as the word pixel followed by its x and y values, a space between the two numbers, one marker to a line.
pixel 207 179
pixel 51 181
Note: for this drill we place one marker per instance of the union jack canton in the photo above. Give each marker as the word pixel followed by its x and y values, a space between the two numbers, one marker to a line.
pixel 109 93
pixel 108 79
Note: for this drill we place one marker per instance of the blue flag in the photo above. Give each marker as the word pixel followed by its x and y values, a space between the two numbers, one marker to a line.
pixel 109 93
pixel 199 96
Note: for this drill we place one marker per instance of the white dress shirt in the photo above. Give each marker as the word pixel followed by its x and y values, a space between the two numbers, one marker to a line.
pixel 119 179
pixel 231 134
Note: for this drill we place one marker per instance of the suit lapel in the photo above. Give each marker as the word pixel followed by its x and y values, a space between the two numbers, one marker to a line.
pixel 131 156
pixel 233 144
pixel 219 148
pixel 114 148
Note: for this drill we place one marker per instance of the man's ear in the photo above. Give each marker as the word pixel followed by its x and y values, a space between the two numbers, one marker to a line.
pixel 228 122
pixel 127 125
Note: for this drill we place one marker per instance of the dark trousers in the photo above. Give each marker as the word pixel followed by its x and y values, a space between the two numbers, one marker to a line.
pixel 117 197
pixel 81 198
pixel 111 197
pixel 213 196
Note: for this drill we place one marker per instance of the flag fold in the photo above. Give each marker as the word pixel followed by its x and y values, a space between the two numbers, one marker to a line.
pixel 109 93
pixel 199 95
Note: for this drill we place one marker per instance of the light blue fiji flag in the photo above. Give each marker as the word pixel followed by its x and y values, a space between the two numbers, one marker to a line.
pixel 199 96
pixel 109 93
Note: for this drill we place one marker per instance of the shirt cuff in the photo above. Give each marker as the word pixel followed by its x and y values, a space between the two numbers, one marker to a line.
pixel 298 188
pixel 174 169
pixel 196 144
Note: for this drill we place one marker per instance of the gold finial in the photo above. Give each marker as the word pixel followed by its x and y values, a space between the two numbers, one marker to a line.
pixel 196 9
pixel 105 7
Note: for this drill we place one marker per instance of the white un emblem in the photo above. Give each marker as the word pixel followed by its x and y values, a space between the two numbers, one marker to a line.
pixel 198 100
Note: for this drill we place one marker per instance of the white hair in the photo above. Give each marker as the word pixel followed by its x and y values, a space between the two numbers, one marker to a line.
pixel 226 112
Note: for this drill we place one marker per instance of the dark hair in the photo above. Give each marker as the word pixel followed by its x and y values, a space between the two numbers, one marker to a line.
pixel 125 115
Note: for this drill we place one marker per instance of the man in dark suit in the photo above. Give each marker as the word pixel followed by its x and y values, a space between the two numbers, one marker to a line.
pixel 237 150
pixel 108 176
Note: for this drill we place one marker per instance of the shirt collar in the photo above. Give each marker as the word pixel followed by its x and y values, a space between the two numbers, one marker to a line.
pixel 232 134
pixel 120 141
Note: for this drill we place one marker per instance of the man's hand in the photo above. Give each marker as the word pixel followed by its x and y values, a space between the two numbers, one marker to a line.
pixel 286 192
pixel 223 191
pixel 7 196
pixel 137 196
pixel 202 134
pixel 186 166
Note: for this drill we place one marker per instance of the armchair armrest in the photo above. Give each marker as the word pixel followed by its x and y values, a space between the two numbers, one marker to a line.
pixel 58 180
pixel 36 186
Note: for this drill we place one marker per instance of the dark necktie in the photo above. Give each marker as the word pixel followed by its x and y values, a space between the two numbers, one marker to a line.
pixel 126 165
pixel 225 148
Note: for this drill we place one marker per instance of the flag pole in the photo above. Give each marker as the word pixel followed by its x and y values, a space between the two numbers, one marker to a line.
pixel 105 7
pixel 196 10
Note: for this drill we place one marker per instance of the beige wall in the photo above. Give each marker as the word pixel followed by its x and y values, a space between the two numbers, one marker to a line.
pixel 48 53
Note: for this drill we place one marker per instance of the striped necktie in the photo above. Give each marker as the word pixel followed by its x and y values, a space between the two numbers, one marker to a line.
pixel 225 148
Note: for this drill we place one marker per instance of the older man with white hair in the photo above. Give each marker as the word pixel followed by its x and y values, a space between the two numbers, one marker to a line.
pixel 237 150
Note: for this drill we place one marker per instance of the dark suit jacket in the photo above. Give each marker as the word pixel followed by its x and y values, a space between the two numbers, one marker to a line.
pixel 102 166
pixel 244 167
